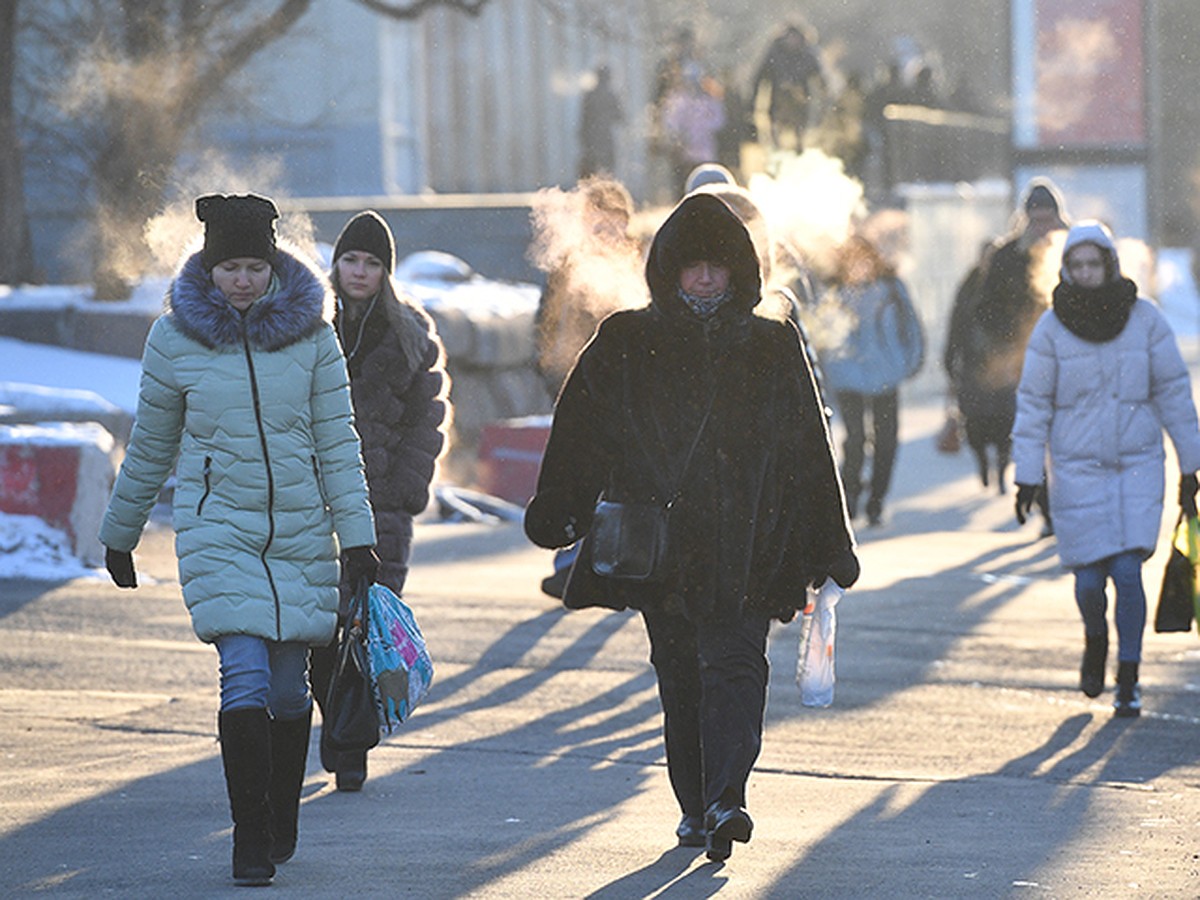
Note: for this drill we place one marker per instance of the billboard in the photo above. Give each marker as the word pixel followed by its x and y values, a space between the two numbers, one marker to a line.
pixel 1080 71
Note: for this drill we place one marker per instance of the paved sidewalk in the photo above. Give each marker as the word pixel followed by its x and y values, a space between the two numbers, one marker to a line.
pixel 959 758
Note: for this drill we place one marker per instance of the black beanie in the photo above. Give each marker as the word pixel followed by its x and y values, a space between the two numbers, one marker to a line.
pixel 236 225
pixel 369 233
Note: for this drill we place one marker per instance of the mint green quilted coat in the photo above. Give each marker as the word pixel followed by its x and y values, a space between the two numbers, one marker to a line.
pixel 269 479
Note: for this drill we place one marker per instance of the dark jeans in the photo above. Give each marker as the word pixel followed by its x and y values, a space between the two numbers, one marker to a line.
pixel 884 410
pixel 712 680
pixel 1125 570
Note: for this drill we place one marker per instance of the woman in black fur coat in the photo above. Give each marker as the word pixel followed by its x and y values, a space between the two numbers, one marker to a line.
pixel 399 387
pixel 757 514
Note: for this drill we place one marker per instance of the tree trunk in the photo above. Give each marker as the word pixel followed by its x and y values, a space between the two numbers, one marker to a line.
pixel 129 175
pixel 16 253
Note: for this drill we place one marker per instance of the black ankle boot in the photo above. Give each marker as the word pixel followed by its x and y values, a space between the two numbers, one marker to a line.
pixel 726 824
pixel 246 754
pixel 1095 658
pixel 1128 704
pixel 289 757
pixel 351 770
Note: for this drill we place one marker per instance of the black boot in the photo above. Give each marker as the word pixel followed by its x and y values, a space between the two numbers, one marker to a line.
pixel 1128 704
pixel 246 753
pixel 1095 658
pixel 289 757
pixel 351 770
pixel 726 824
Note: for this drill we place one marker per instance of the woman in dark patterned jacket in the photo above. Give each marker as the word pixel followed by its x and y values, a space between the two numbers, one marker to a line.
pixel 697 404
pixel 399 387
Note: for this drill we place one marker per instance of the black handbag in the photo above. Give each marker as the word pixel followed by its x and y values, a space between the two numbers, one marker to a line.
pixel 352 718
pixel 629 540
pixel 1177 597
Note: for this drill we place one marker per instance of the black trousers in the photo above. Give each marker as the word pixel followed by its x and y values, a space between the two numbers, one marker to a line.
pixel 712 680
pixel 884 437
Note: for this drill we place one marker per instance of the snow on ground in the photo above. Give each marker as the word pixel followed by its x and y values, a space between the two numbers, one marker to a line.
pixel 29 548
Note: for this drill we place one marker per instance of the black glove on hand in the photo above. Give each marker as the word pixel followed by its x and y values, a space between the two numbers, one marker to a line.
pixel 361 563
pixel 844 571
pixel 120 566
pixel 1026 495
pixel 1188 486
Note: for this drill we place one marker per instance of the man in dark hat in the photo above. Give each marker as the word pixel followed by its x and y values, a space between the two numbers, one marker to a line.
pixel 990 326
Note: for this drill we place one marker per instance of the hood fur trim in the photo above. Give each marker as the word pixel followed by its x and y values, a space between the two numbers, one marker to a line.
pixel 295 310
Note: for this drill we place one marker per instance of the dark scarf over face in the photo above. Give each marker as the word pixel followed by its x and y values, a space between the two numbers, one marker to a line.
pixel 1095 314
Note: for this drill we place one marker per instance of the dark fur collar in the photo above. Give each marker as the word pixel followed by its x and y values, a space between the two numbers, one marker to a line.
pixel 292 312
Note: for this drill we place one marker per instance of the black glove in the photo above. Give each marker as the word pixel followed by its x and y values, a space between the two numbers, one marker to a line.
pixel 120 566
pixel 1188 486
pixel 1027 495
pixel 360 564
pixel 844 571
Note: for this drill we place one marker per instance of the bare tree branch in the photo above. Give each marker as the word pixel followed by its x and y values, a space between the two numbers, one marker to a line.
pixel 211 80
pixel 414 9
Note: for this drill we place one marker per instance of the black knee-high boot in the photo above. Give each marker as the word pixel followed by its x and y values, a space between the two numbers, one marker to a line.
pixel 246 754
pixel 289 756
pixel 1095 658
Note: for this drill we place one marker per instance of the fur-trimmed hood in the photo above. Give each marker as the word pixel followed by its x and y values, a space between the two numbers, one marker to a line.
pixel 296 305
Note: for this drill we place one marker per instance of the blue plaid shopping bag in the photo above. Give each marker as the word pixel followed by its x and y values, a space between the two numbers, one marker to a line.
pixel 401 669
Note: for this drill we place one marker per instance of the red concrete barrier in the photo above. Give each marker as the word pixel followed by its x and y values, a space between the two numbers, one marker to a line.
pixel 62 473
pixel 510 452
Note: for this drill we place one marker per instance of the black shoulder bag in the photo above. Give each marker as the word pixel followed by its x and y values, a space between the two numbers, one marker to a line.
pixel 629 540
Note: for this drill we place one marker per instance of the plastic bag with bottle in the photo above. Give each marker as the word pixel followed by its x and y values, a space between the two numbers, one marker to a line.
pixel 815 666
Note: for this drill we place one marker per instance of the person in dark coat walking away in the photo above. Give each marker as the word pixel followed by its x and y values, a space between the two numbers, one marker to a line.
pixel 993 314
pixel 1103 377
pixel 791 70
pixel 600 115
pixel 697 406
pixel 244 393
pixel 399 387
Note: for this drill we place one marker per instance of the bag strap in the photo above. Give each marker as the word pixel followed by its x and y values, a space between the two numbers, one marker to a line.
pixel 687 460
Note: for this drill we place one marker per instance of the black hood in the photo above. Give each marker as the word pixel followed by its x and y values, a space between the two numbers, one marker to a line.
pixel 702 227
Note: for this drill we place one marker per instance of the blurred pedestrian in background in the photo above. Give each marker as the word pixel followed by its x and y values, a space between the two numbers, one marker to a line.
pixel 693 115
pixel 697 407
pixel 1102 378
pixel 791 71
pixel 243 382
pixel 881 345
pixel 399 388
pixel 993 314
pixel 601 114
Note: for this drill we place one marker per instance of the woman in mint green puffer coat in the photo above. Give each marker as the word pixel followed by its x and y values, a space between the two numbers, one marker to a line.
pixel 244 391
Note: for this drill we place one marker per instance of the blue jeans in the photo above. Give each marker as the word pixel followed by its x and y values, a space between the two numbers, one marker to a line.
pixel 257 674
pixel 1125 570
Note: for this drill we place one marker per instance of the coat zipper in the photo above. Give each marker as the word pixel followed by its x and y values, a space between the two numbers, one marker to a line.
pixel 320 483
pixel 262 439
pixel 207 484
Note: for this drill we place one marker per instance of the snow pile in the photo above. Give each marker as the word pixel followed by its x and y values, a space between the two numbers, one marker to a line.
pixel 29 548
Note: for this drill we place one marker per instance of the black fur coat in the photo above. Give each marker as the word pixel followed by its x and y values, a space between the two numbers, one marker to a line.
pixel 760 510
pixel 399 386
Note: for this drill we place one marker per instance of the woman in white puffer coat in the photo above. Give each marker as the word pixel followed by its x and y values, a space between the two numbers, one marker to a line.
pixel 1102 378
